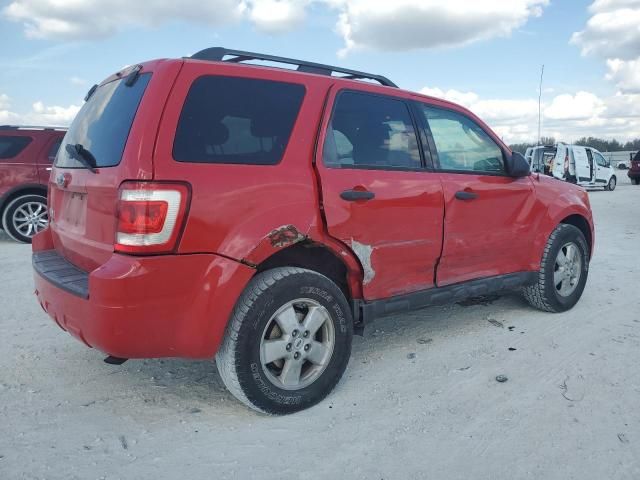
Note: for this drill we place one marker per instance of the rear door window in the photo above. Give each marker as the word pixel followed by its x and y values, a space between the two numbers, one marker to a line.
pixel 372 132
pixel 53 150
pixel 237 120
pixel 103 123
pixel 12 146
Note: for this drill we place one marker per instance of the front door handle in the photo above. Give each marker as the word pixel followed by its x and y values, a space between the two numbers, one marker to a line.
pixel 355 195
pixel 463 195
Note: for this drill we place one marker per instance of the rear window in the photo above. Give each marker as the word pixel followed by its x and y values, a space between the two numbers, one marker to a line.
pixel 103 123
pixel 12 146
pixel 236 120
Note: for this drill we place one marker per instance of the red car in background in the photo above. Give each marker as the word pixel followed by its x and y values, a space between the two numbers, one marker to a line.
pixel 634 170
pixel 26 155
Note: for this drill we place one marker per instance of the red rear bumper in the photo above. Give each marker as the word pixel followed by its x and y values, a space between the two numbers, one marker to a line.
pixel 148 307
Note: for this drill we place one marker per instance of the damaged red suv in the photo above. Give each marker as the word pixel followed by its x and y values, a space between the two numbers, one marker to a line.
pixel 209 206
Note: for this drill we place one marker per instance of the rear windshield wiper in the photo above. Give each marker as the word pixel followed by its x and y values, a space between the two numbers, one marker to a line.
pixel 83 155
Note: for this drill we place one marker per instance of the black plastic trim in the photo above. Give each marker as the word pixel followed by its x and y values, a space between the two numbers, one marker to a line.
pixel 61 273
pixel 366 312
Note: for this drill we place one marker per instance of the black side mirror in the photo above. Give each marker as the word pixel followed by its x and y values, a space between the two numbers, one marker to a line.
pixel 517 165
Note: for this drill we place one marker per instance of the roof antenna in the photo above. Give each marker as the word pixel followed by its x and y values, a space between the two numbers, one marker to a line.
pixel 540 105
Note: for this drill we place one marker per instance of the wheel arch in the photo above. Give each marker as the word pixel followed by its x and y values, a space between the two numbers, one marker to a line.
pixel 582 224
pixel 22 190
pixel 319 258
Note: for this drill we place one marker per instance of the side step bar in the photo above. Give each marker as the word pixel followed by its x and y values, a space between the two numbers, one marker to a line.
pixel 365 312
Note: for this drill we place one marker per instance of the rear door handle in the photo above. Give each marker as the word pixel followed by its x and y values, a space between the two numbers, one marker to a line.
pixel 354 195
pixel 462 195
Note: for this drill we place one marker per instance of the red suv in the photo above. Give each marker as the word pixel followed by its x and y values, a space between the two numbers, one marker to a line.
pixel 634 170
pixel 26 154
pixel 208 206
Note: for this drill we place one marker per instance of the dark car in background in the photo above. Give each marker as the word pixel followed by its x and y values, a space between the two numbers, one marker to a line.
pixel 634 170
pixel 26 155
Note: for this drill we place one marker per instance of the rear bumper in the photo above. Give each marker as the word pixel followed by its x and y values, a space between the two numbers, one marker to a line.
pixel 634 174
pixel 148 307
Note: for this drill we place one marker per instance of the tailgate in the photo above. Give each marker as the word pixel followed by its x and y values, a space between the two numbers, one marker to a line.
pixel 117 126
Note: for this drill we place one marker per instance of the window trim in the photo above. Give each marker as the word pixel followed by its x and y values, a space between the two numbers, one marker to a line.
pixel 240 77
pixel 414 122
pixel 21 151
pixel 435 154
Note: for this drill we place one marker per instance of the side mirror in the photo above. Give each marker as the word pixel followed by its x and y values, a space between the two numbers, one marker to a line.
pixel 517 165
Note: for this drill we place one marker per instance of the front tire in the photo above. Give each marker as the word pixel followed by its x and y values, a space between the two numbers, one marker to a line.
pixel 25 216
pixel 288 341
pixel 611 186
pixel 563 271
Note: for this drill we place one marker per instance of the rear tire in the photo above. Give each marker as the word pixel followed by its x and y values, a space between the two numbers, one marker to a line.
pixel 288 341
pixel 611 186
pixel 25 216
pixel 563 271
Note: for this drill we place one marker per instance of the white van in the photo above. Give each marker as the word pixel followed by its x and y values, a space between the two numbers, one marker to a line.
pixel 540 158
pixel 583 165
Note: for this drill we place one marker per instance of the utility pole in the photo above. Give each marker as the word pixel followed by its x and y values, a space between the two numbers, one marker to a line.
pixel 540 104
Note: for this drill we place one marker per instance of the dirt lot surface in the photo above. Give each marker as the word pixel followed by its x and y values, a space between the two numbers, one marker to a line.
pixel 419 399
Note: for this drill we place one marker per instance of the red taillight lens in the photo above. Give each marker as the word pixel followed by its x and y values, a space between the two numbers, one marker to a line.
pixel 150 216
pixel 142 217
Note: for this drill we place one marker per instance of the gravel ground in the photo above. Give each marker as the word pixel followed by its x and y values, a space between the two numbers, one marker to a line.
pixel 419 398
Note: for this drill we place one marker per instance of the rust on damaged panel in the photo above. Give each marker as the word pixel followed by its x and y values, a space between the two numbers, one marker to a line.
pixel 285 236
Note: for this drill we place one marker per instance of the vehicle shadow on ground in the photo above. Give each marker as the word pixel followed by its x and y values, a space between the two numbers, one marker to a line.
pixel 197 386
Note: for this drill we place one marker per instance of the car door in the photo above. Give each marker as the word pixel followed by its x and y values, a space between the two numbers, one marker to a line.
pixel 591 164
pixel 488 215
pixel 46 158
pixel 16 167
pixel 603 168
pixel 378 197
pixel 582 164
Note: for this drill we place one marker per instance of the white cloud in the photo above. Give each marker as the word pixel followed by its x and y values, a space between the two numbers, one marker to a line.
pixel 567 117
pixel 625 74
pixel 376 24
pixel 612 31
pixel 51 115
pixel 77 81
pixel 4 101
pixel 581 106
pixel 75 19
pixel 415 24
pixel 277 16
pixel 40 114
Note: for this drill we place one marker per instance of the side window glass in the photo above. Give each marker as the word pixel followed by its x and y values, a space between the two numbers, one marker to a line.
pixel 370 131
pixel 237 121
pixel 12 146
pixel 53 151
pixel 462 145
pixel 600 160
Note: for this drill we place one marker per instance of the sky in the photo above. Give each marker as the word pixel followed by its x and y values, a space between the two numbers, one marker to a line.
pixel 485 54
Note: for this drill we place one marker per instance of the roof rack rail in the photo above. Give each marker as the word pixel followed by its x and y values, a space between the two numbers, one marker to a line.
pixel 31 127
pixel 218 53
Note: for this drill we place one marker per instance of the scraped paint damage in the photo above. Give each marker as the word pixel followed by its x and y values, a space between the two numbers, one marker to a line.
pixel 285 236
pixel 363 252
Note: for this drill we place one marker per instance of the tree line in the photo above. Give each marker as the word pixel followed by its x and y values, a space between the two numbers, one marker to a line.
pixel 598 143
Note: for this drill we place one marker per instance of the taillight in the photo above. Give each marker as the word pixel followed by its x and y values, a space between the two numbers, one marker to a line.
pixel 150 216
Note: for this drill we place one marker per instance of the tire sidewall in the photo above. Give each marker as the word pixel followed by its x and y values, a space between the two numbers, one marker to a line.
pixel 255 384
pixel 612 184
pixel 9 211
pixel 567 234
